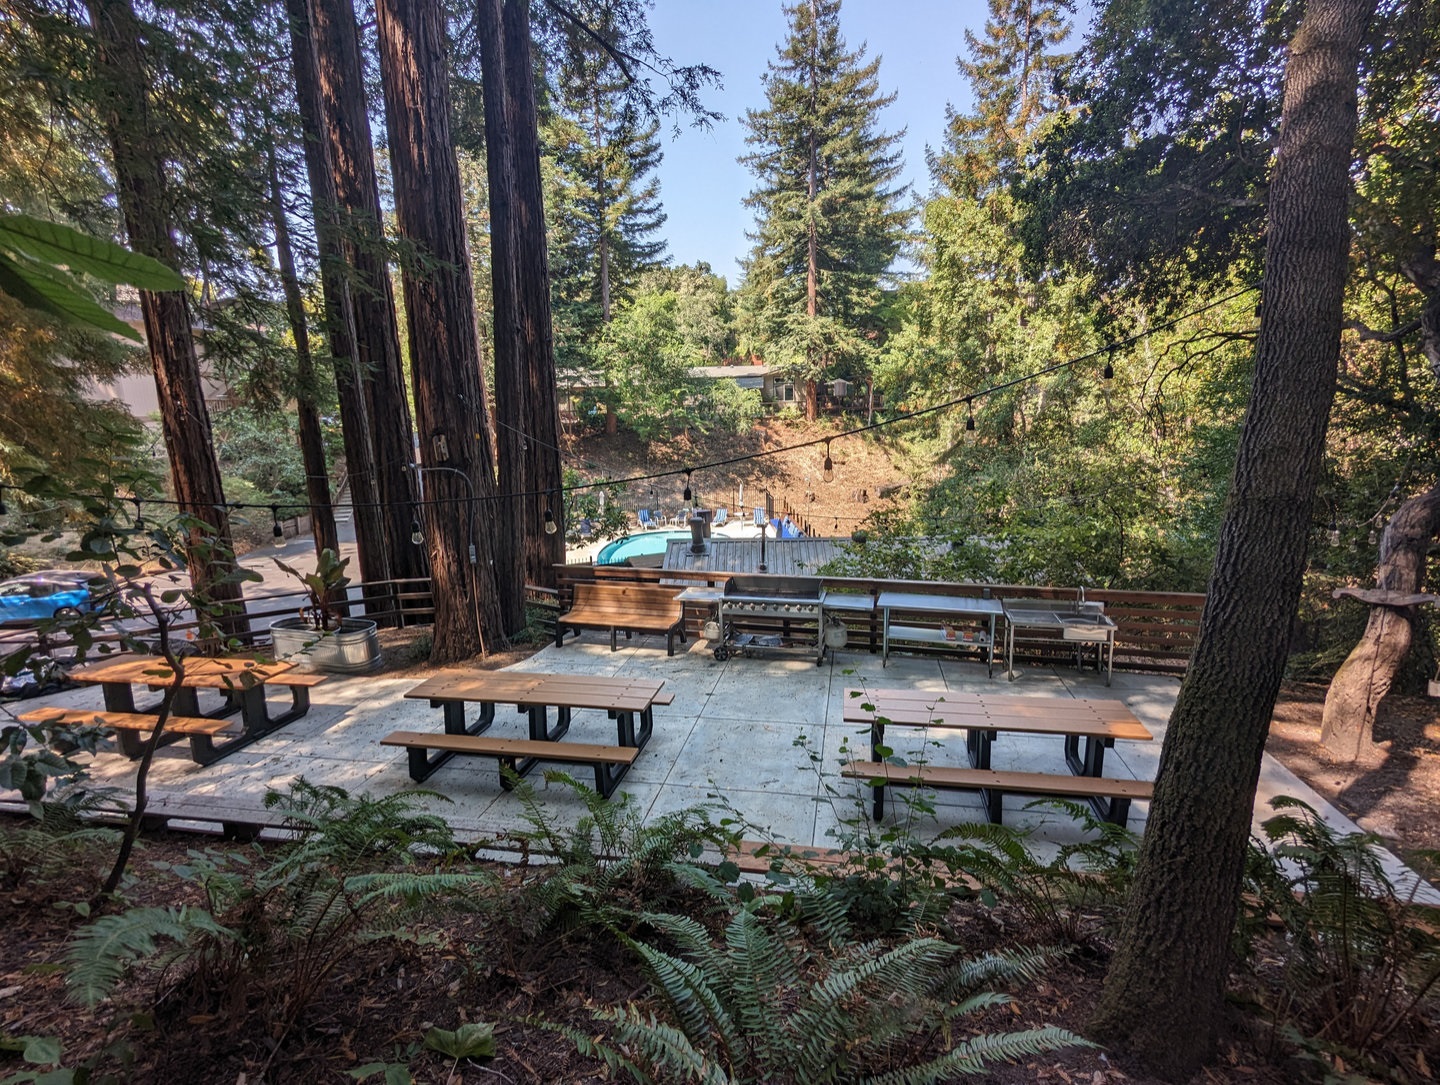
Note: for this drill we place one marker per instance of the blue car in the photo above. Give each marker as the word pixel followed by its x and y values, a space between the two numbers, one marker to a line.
pixel 37 597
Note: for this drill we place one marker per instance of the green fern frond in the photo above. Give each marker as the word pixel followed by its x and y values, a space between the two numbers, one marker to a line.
pixel 595 1049
pixel 697 1007
pixel 972 1056
pixel 104 950
pixel 666 1049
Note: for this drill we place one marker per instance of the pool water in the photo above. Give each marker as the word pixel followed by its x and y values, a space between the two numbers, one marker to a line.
pixel 649 543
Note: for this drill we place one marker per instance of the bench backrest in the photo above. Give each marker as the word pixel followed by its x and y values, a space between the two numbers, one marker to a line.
pixel 631 598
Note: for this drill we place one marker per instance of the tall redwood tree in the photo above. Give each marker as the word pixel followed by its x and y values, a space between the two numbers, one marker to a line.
pixel 140 172
pixel 455 450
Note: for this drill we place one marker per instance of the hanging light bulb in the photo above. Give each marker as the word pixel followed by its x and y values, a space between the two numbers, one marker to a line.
pixel 550 526
pixel 1108 373
pixel 139 517
pixel 1334 532
pixel 689 494
pixel 416 535
pixel 970 435
pixel 827 471
pixel 3 509
pixel 276 529
pixel 1374 537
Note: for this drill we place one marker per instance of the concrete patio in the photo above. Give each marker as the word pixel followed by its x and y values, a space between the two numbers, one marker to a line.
pixel 764 735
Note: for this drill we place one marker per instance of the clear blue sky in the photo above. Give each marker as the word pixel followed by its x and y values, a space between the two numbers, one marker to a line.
pixel 702 184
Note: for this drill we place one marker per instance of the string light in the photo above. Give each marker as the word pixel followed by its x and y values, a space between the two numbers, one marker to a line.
pixel 139 519
pixel 3 509
pixel 275 528
pixel 1108 373
pixel 970 435
pixel 687 496
pixel 827 471
pixel 550 526
pixel 1334 532
pixel 416 535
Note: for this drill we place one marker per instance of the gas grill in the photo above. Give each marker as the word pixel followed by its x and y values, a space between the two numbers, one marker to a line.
pixel 782 615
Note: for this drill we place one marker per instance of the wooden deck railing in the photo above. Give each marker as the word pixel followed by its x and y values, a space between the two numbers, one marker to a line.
pixel 1155 630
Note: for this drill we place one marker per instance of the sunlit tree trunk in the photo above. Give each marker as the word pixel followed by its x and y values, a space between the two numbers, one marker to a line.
pixel 1363 680
pixel 377 340
pixel 312 441
pixel 141 189
pixel 459 478
pixel 1164 994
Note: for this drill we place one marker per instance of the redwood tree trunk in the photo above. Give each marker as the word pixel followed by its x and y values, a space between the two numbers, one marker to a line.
pixel 1364 679
pixel 377 341
pixel 543 477
pixel 141 189
pixel 444 349
pixel 525 390
pixel 511 385
pixel 312 441
pixel 1163 996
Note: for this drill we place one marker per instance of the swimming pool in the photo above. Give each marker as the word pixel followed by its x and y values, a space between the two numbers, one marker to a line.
pixel 649 543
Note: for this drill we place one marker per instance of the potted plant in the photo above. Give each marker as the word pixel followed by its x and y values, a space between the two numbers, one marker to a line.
pixel 322 638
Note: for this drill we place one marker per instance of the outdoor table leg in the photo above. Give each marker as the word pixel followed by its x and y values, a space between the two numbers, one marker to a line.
pixel 119 696
pixel 978 742
pixel 625 727
pixel 1093 762
pixel 421 762
pixel 540 730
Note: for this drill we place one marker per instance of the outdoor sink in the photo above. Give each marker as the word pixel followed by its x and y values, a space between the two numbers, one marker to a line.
pixel 1090 626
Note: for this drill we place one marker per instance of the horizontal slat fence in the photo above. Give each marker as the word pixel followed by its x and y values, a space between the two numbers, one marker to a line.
pixel 1155 630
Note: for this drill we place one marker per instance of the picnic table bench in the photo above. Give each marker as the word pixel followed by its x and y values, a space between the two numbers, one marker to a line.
pixel 630 702
pixel 627 608
pixel 1098 723
pixel 242 681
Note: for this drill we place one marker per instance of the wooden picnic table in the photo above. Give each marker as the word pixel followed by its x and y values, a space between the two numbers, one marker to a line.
pixel 628 701
pixel 242 681
pixel 1098 723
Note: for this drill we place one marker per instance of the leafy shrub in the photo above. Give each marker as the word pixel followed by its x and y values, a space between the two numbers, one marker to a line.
pixel 270 937
pixel 1057 895
pixel 612 863
pixel 761 1007
pixel 1359 961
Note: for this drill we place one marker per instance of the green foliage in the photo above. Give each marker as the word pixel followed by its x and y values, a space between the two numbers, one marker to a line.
pixel 37 756
pixel 612 862
pixel 602 506
pixel 760 1006
pixel 33 252
pixel 323 586
pixel 264 450
pixel 470 1041
pixel 271 936
pixel 1359 960
pixel 57 843
pixel 1060 894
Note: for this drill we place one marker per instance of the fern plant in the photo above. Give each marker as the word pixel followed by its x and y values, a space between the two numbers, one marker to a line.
pixel 1360 959
pixel 362 869
pixel 761 1007
pixel 611 862
pixel 1058 893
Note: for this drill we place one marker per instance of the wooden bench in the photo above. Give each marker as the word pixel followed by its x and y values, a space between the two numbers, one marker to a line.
pixel 627 608
pixel 993 786
pixel 610 762
pixel 128 725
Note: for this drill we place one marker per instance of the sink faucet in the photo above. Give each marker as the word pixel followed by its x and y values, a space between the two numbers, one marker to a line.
pixel 1080 599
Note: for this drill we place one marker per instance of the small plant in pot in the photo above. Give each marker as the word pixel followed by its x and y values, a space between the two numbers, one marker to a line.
pixel 322 638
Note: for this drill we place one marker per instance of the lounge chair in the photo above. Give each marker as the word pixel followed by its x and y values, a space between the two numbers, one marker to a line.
pixel 646 520
pixel 722 514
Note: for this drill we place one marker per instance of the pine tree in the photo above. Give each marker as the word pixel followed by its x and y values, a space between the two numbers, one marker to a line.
pixel 602 196
pixel 1013 71
pixel 828 224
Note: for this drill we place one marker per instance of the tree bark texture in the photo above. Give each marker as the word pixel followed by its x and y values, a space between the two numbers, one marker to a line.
pixel 511 386
pixel 312 440
pixel 1364 679
pixel 377 339
pixel 315 32
pixel 141 189
pixel 455 453
pixel 1163 996
pixel 542 477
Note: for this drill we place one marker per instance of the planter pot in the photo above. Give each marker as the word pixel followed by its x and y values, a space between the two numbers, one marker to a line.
pixel 352 649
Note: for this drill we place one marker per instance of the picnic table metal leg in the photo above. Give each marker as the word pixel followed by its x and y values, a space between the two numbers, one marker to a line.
pixel 978 742
pixel 422 763
pixel 119 696
pixel 540 731
pixel 1093 762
